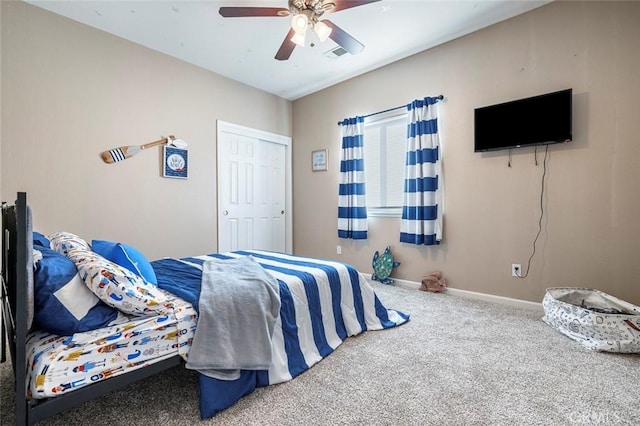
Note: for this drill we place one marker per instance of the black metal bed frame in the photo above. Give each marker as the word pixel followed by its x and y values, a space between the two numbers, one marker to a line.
pixel 13 297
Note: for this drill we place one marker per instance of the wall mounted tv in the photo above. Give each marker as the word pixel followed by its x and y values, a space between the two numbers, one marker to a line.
pixel 538 120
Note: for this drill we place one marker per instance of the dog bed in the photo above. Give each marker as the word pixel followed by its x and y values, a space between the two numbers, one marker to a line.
pixel 593 318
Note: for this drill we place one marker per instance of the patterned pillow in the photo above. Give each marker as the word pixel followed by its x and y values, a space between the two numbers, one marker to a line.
pixel 63 303
pixel 62 242
pixel 117 286
pixel 127 256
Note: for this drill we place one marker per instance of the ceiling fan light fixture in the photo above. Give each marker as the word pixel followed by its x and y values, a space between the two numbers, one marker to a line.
pixel 322 30
pixel 299 23
pixel 298 38
pixel 304 15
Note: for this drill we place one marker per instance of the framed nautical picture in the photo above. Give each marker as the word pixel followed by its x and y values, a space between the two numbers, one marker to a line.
pixel 176 163
pixel 319 160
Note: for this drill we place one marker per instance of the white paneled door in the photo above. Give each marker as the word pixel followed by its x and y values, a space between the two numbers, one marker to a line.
pixel 252 190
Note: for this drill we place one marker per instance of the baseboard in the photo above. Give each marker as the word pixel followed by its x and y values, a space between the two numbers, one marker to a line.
pixel 518 303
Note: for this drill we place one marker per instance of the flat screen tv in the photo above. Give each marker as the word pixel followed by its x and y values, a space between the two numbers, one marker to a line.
pixel 538 120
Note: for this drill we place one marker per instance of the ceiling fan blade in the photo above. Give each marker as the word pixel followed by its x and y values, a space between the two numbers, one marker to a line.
pixel 287 46
pixel 343 39
pixel 241 12
pixel 347 4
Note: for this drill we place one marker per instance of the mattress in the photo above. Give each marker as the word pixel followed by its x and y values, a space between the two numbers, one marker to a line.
pixel 323 302
pixel 59 364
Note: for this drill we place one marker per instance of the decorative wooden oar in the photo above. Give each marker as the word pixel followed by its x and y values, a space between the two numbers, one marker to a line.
pixel 124 152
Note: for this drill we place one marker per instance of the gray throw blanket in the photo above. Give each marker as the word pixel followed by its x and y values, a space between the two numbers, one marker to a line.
pixel 239 303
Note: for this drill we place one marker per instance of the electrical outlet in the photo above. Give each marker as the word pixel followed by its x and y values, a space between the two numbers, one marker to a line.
pixel 516 270
pixel 339 249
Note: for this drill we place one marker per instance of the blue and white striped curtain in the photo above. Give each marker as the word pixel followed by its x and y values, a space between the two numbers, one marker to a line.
pixel 422 201
pixel 352 208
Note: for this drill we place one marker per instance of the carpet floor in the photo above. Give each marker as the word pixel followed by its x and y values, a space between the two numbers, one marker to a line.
pixel 457 362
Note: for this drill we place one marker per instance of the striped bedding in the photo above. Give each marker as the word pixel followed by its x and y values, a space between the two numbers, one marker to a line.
pixel 322 303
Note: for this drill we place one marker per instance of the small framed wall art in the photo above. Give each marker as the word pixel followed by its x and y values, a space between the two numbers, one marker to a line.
pixel 319 160
pixel 176 163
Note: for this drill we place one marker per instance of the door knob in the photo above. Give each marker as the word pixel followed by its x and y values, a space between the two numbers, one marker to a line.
pixel 226 212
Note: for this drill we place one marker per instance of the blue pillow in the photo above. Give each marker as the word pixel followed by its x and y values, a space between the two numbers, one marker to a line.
pixel 64 305
pixel 40 240
pixel 127 257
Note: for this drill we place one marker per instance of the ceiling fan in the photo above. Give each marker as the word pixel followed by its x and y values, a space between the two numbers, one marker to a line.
pixel 305 14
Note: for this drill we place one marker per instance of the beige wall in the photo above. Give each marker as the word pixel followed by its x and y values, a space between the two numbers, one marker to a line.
pixel 591 231
pixel 70 92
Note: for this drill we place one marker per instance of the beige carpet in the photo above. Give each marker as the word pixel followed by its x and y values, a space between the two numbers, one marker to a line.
pixel 457 362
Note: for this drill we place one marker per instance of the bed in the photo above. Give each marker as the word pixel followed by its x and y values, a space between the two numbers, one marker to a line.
pixel 311 306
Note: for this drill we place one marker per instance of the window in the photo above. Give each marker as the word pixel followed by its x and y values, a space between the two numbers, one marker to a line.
pixel 384 158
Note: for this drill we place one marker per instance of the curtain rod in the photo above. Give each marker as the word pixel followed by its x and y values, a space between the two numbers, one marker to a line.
pixel 439 97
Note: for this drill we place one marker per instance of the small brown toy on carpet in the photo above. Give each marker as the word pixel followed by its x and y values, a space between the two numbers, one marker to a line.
pixel 433 282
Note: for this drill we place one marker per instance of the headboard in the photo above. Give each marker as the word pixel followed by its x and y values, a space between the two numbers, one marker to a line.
pixel 16 262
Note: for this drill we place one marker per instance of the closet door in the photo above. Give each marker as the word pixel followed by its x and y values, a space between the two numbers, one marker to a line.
pixel 252 193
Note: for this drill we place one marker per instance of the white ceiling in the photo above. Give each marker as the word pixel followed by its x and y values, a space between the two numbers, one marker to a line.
pixel 243 49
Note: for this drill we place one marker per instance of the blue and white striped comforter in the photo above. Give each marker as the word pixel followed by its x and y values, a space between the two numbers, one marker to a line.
pixel 322 303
